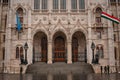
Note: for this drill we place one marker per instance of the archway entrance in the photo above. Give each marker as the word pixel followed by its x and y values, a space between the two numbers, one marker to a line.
pixel 40 47
pixel 78 47
pixel 59 48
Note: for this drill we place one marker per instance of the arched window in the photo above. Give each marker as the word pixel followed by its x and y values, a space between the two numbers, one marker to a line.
pixel 20 14
pixel 44 4
pixel 21 52
pixel 81 4
pixel 98 15
pixel 17 52
pixel 36 4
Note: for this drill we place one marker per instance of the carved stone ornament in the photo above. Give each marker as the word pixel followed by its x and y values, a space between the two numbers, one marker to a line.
pixel 55 18
pixel 36 18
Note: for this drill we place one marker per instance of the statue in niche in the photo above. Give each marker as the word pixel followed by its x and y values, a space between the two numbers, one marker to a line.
pixel 97 57
pixel 101 52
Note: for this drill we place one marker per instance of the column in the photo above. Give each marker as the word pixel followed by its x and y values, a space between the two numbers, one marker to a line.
pixel 50 4
pixel 110 44
pixel 68 5
pixel 8 51
pixel 49 52
pixel 29 40
pixel 69 53
pixel 89 51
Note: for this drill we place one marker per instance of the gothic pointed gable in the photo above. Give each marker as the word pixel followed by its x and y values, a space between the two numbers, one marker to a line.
pixel 59 25
pixel 98 5
pixel 80 26
pixel 39 26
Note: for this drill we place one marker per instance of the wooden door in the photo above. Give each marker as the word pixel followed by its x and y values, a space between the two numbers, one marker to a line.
pixel 44 49
pixel 59 49
pixel 75 50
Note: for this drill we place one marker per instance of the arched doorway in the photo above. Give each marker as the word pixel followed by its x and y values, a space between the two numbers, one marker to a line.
pixel 40 47
pixel 59 47
pixel 78 47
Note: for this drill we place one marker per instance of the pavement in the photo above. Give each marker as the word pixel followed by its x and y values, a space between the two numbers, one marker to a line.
pixel 69 76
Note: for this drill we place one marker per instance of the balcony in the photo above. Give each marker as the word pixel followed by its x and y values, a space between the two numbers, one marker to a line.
pixel 98 26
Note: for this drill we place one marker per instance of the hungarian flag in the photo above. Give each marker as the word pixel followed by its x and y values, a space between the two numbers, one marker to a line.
pixel 112 18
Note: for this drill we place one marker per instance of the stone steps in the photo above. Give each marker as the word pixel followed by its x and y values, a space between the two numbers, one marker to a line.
pixel 60 68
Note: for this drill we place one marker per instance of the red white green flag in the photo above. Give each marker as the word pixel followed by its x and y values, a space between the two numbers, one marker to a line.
pixel 112 18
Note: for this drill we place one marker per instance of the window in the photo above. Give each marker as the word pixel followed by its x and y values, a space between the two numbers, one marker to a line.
pixel 5 1
pixel 44 4
pixel 113 1
pixel 59 4
pixel 20 14
pixel 55 4
pixel 114 37
pixel 99 34
pixel 115 52
pixel 17 52
pixel 3 53
pixel 74 4
pixel 3 38
pixel 21 53
pixel 36 4
pixel 81 4
pixel 62 4
pixel 98 15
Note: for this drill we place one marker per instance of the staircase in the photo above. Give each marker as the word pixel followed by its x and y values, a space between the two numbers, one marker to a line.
pixel 59 67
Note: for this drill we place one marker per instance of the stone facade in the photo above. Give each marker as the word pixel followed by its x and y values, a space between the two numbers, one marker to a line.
pixel 64 24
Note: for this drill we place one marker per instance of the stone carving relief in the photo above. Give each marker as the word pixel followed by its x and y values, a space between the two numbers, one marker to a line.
pixel 55 18
pixel 44 18
pixel 36 18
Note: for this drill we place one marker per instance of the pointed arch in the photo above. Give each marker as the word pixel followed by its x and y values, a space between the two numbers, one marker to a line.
pixel 20 14
pixel 98 12
pixel 17 52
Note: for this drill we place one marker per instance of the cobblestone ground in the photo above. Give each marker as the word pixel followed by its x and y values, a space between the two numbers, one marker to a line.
pixel 60 76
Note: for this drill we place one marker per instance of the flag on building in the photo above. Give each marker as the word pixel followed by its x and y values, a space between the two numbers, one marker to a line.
pixel 112 18
pixel 19 26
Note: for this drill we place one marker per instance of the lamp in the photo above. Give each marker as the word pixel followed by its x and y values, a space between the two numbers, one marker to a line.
pixel 26 47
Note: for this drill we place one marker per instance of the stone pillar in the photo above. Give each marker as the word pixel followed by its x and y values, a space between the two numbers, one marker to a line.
pixel 69 53
pixel 8 51
pixel 68 5
pixel 30 45
pixel 110 44
pixel 89 51
pixel 49 52
pixel 50 5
